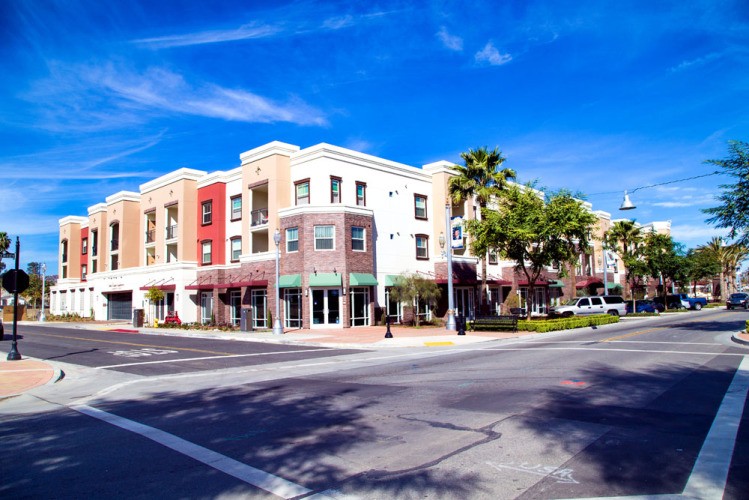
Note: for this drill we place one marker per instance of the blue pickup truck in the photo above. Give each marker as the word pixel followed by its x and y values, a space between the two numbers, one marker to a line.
pixel 679 300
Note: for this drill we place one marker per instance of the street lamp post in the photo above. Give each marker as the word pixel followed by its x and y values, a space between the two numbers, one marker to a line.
pixel 277 328
pixel 450 304
pixel 44 276
pixel 628 205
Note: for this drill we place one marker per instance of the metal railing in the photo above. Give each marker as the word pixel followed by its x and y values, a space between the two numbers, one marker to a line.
pixel 114 245
pixel 151 236
pixel 171 232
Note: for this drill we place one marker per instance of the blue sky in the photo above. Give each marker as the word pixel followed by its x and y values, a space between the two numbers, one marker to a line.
pixel 592 96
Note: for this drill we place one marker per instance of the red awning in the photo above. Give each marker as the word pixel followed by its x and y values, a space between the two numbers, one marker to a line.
pixel 589 282
pixel 166 288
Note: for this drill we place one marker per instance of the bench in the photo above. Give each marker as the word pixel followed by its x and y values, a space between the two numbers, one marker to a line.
pixel 502 322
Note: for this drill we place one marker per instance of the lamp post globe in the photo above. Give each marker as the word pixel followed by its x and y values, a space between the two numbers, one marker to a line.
pixel 277 328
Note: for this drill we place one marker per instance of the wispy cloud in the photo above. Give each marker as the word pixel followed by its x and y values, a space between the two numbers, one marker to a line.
pixel 451 42
pixel 245 32
pixel 490 55
pixel 97 92
pixel 695 233
pixel 695 63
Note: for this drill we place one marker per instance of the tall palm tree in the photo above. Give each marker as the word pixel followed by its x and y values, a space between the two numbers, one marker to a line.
pixel 626 233
pixel 482 179
pixel 735 255
pixel 4 245
pixel 717 248
pixel 4 241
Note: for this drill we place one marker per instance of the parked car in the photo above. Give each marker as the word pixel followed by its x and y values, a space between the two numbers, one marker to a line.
pixel 673 301
pixel 695 303
pixel 643 306
pixel 597 304
pixel 737 300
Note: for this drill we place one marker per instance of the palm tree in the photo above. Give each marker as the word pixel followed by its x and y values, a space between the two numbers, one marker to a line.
pixel 735 255
pixel 718 250
pixel 626 233
pixel 4 245
pixel 4 242
pixel 482 179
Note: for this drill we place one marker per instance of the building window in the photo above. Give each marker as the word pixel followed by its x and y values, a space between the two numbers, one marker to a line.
pixel 207 212
pixel 84 270
pixel 236 248
pixel 422 246
pixel 335 189
pixel 207 247
pixel 84 246
pixel 292 239
pixel 236 207
pixel 94 245
pixel 420 206
pixel 324 237
pixel 64 250
pixel 357 239
pixel 361 194
pixel 492 257
pixel 302 192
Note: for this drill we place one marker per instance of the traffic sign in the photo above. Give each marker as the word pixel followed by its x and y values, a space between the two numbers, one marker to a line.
pixel 16 281
pixel 7 255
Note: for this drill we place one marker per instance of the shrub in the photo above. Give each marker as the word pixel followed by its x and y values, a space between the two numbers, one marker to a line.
pixel 552 325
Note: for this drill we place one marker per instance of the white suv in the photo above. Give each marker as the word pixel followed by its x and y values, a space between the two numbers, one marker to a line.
pixel 596 304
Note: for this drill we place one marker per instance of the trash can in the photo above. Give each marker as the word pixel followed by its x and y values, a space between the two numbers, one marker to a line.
pixel 245 320
pixel 138 317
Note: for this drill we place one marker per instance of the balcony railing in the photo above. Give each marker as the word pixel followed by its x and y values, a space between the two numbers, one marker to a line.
pixel 259 217
pixel 94 251
pixel 114 245
pixel 151 236
pixel 64 257
pixel 171 232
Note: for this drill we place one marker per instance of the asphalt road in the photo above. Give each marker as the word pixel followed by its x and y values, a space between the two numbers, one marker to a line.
pixel 153 355
pixel 655 407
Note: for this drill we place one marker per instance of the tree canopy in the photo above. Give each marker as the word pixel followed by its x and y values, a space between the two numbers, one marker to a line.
pixel 733 212
pixel 413 288
pixel 533 232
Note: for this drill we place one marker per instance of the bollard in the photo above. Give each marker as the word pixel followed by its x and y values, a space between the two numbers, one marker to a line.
pixel 388 335
pixel 461 326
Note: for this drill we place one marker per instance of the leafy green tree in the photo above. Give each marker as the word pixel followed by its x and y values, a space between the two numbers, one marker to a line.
pixel 412 289
pixel 700 265
pixel 733 213
pixel 535 232
pixel 33 293
pixel 665 259
pixel 481 178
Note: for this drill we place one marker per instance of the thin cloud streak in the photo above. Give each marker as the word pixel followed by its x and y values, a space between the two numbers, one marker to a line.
pixel 245 32
pixel 490 55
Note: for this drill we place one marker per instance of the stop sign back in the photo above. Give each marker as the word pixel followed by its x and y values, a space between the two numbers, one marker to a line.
pixel 16 280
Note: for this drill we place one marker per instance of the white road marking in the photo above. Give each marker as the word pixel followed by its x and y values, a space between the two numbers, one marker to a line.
pixel 180 360
pixel 710 473
pixel 250 475
pixel 592 348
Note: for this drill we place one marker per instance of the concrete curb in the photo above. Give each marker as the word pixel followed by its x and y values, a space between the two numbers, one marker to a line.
pixel 738 340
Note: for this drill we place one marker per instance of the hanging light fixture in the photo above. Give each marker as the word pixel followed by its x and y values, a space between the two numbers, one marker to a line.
pixel 627 203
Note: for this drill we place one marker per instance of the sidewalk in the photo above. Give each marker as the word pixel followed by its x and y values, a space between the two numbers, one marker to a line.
pixel 17 377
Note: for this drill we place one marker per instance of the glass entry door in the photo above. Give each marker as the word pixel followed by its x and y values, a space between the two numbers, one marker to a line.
pixel 463 298
pixel 326 307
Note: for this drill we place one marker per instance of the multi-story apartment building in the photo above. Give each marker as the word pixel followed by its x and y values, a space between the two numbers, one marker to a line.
pixel 347 225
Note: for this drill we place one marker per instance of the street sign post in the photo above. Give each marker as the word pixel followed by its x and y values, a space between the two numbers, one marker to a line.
pixel 15 281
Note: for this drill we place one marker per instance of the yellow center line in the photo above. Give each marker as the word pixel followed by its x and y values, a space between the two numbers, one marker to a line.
pixel 137 344
pixel 633 334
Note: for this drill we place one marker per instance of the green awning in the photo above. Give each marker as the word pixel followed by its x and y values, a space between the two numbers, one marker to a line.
pixel 290 281
pixel 391 279
pixel 556 284
pixel 362 279
pixel 325 279
pixel 612 285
